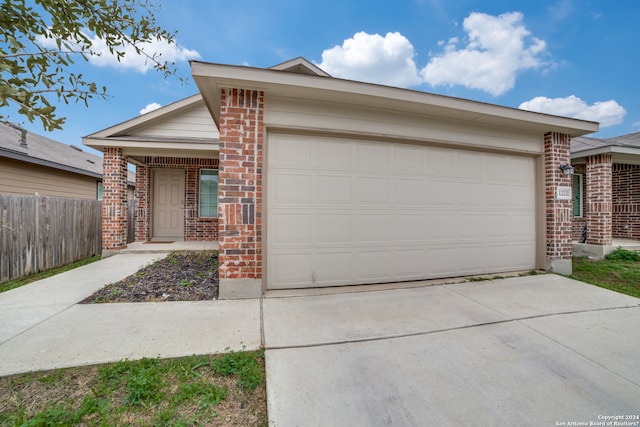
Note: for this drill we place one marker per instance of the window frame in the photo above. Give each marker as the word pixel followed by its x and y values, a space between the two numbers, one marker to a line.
pixel 99 190
pixel 579 192
pixel 200 194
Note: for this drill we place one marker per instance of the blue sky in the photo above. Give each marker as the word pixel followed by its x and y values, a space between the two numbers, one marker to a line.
pixel 577 58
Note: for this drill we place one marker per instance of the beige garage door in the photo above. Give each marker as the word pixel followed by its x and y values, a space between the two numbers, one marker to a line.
pixel 344 212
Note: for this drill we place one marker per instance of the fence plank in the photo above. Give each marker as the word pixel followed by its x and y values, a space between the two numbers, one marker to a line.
pixel 38 233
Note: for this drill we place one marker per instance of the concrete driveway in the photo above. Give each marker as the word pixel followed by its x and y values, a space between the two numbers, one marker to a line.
pixel 538 350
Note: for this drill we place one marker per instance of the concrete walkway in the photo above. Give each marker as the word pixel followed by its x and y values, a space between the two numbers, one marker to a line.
pixel 43 327
pixel 535 350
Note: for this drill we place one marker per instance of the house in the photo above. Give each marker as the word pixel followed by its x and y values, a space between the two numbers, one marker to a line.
pixel 606 192
pixel 324 182
pixel 33 164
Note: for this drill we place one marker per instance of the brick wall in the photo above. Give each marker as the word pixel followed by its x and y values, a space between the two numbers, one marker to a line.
pixel 559 213
pixel 114 199
pixel 195 227
pixel 240 191
pixel 626 201
pixel 599 201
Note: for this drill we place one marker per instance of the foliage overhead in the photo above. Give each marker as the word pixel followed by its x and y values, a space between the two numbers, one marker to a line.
pixel 41 39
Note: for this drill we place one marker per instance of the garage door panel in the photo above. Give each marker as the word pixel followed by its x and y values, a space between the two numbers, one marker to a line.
pixel 291 228
pixel 332 228
pixel 290 269
pixel 371 265
pixel 332 190
pixel 290 152
pixel 408 264
pixel 408 192
pixel 372 156
pixel 408 227
pixel 289 188
pixel 408 160
pixel 371 212
pixel 333 155
pixel 333 268
pixel 372 228
pixel 372 190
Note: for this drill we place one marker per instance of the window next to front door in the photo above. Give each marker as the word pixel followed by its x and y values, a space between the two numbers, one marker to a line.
pixel 208 193
pixel 577 195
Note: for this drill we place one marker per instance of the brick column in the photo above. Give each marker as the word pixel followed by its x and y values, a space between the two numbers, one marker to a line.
pixel 240 193
pixel 599 200
pixel 143 196
pixel 559 213
pixel 114 200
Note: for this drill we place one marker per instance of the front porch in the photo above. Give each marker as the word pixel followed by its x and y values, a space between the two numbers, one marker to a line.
pixel 147 247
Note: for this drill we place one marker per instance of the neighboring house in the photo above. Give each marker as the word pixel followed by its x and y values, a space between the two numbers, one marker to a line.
pixel 33 164
pixel 312 181
pixel 606 191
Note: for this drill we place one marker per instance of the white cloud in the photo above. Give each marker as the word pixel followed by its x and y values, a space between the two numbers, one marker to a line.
pixel 167 52
pixel 498 47
pixel 372 58
pixel 608 113
pixel 101 56
pixel 636 123
pixel 150 107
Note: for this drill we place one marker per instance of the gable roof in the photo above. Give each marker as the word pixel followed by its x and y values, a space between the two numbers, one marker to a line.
pixel 43 151
pixel 20 144
pixel 211 77
pixel 300 65
pixel 624 148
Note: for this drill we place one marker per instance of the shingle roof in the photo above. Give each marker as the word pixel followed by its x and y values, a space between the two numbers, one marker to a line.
pixel 583 143
pixel 41 150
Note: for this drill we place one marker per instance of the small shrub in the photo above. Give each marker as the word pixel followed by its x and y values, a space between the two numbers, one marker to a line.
pixel 621 254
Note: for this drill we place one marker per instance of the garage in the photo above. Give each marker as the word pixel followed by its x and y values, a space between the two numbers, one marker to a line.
pixel 327 182
pixel 344 211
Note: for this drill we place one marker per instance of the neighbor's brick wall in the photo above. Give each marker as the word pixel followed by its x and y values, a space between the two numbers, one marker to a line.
pixel 114 199
pixel 626 201
pixel 559 213
pixel 579 222
pixel 195 227
pixel 599 200
pixel 240 191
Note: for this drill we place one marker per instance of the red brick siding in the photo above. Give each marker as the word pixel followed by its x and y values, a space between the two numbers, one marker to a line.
pixel 240 190
pixel 599 202
pixel 195 227
pixel 114 199
pixel 559 213
pixel 626 201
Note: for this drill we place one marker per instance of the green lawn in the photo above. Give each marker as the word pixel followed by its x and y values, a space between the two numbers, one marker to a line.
pixel 620 271
pixel 16 283
pixel 209 390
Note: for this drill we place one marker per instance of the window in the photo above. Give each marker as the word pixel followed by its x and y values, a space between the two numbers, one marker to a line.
pixel 577 194
pixel 99 190
pixel 208 193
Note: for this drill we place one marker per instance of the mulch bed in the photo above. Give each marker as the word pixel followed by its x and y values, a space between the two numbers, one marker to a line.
pixel 181 276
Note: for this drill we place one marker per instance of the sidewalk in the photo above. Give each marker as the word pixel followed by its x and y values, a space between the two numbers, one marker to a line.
pixel 43 327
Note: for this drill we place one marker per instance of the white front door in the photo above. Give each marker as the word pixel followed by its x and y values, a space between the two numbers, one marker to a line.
pixel 343 212
pixel 168 204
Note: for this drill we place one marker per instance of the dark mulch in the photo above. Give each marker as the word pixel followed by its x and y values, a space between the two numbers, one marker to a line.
pixel 181 276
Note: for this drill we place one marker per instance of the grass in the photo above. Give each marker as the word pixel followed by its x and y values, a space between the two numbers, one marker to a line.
pixel 16 283
pixel 619 271
pixel 206 390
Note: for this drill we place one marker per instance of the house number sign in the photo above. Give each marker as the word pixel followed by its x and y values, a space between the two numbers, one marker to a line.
pixel 564 193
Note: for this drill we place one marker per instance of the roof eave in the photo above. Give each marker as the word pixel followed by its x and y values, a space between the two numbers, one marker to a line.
pixel 210 78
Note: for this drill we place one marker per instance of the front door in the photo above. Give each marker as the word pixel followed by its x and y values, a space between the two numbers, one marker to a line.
pixel 168 204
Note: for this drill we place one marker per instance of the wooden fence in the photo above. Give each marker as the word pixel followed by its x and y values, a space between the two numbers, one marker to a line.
pixel 38 233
